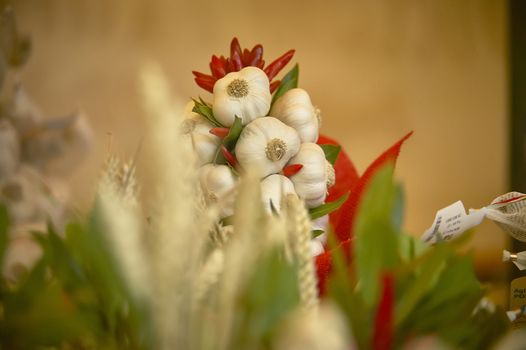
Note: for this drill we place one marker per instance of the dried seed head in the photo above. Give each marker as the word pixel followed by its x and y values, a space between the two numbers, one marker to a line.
pixel 237 88
pixel 331 174
pixel 276 149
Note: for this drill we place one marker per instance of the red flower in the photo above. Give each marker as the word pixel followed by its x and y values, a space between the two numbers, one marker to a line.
pixel 221 66
pixel 342 220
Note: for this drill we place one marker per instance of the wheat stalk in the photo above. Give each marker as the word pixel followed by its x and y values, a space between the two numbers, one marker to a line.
pixel 121 214
pixel 176 240
pixel 300 236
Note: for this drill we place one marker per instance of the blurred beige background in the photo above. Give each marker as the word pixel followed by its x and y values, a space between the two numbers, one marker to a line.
pixel 377 69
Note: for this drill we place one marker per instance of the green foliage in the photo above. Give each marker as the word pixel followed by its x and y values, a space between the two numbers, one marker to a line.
pixel 75 294
pixel 376 247
pixel 289 81
pixel 316 233
pixel 233 134
pixel 327 208
pixel 229 142
pixel 204 109
pixel 331 152
pixel 270 294
pixel 436 288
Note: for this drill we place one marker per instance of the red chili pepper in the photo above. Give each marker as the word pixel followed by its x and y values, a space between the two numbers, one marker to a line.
pixel 274 85
pixel 277 65
pixel 255 55
pixel 201 75
pixel 235 47
pixel 291 170
pixel 220 132
pixel 230 158
pixel 208 85
pixel 240 58
pixel 236 61
pixel 245 57
pixel 217 67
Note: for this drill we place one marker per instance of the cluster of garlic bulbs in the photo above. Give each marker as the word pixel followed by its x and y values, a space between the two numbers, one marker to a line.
pixel 277 140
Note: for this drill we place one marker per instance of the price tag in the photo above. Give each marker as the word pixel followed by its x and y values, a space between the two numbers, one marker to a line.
pixel 451 221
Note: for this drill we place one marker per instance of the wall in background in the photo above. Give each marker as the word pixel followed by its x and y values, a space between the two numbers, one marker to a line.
pixel 377 69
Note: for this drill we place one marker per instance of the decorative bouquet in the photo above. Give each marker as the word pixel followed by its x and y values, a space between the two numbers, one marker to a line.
pixel 236 250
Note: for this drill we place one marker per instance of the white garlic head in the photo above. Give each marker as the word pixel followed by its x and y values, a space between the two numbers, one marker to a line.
pixel 295 109
pixel 311 181
pixel 218 184
pixel 244 94
pixel 266 144
pixel 197 129
pixel 273 189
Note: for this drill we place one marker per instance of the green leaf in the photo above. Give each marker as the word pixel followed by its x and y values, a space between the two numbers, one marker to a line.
pixel 342 289
pixel 410 247
pixel 233 134
pixel 397 213
pixel 202 108
pixel 327 208
pixel 4 227
pixel 289 81
pixel 331 152
pixel 376 248
pixel 430 271
pixel 270 294
pixel 457 285
pixel 316 233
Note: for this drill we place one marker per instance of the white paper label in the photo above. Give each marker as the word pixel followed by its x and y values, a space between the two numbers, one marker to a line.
pixel 452 221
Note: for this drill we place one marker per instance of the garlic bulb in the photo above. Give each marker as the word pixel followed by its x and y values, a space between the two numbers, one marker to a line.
pixel 9 149
pixel 273 189
pixel 267 144
pixel 218 184
pixel 295 109
pixel 244 94
pixel 197 128
pixel 310 182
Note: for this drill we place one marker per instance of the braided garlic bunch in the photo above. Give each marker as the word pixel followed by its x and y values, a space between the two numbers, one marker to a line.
pixel 244 128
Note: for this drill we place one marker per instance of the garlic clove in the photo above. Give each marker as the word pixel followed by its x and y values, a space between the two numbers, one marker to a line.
pixel 197 129
pixel 310 182
pixel 244 94
pixel 273 189
pixel 295 109
pixel 218 184
pixel 266 144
